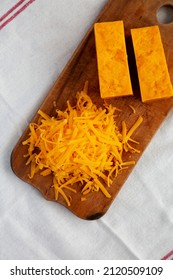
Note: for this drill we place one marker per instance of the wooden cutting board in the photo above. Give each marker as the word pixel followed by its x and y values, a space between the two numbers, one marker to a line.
pixel 82 67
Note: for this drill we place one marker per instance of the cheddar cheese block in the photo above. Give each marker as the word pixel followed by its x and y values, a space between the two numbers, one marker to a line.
pixel 151 64
pixel 113 71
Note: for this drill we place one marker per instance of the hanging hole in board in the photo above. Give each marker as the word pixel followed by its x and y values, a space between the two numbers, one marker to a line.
pixel 165 14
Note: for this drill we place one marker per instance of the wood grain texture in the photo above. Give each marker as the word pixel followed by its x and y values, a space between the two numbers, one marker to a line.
pixel 82 67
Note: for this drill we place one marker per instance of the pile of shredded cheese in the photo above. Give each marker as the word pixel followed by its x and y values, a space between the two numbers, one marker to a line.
pixel 82 144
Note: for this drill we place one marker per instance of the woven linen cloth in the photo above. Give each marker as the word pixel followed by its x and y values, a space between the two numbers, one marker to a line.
pixel 37 38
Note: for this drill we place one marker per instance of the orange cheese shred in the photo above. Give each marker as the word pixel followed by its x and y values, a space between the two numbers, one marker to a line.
pixel 133 109
pixel 82 145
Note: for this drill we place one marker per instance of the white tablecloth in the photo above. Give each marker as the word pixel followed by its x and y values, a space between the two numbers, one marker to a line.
pixel 37 38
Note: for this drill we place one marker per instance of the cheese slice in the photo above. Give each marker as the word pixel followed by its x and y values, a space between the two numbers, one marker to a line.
pixel 113 71
pixel 151 64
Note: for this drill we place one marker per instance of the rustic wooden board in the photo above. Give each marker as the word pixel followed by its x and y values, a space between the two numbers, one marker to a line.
pixel 82 67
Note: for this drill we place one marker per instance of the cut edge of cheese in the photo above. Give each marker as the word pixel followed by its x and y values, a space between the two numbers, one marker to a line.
pixel 112 61
pixel 152 68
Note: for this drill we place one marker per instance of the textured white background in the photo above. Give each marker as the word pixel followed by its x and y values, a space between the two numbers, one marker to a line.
pixel 34 49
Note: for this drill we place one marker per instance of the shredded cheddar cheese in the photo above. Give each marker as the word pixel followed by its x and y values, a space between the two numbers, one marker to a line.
pixel 133 109
pixel 82 144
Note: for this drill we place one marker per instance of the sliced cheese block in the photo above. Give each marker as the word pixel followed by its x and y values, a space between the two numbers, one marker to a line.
pixel 151 64
pixel 113 71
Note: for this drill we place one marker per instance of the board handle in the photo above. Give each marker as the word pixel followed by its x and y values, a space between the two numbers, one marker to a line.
pixel 164 14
